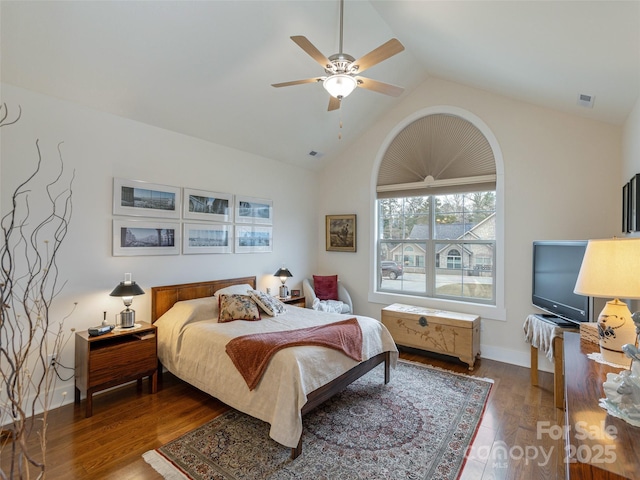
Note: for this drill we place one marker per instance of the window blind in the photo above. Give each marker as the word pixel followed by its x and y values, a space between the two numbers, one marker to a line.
pixel 436 155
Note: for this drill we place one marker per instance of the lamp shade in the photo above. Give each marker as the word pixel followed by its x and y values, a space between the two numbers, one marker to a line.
pixel 124 289
pixel 339 85
pixel 610 269
pixel 283 273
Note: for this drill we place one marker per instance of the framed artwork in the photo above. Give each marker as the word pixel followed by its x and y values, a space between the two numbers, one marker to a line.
pixel 207 238
pixel 150 237
pixel 209 206
pixel 341 233
pixel 634 207
pixel 295 293
pixel 253 239
pixel 626 218
pixel 134 197
pixel 253 210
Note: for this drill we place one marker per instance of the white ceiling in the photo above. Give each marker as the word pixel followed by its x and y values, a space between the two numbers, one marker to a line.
pixel 204 68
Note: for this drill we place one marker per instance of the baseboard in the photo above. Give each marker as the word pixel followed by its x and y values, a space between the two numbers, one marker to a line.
pixel 515 357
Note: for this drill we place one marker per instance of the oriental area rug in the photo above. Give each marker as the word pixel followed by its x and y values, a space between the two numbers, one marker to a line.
pixel 418 426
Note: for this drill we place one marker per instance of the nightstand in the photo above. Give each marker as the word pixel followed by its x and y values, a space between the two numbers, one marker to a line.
pixel 295 301
pixel 115 358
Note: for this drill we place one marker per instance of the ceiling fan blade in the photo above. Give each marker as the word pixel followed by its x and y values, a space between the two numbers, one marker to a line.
pixel 379 87
pixel 311 50
pixel 377 55
pixel 298 82
pixel 334 103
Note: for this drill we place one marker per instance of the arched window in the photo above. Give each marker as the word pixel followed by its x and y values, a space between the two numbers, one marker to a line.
pixel 454 259
pixel 436 201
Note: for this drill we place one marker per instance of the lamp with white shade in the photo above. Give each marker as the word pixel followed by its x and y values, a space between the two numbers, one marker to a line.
pixel 611 269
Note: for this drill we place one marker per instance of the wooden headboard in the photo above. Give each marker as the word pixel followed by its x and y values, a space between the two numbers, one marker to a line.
pixel 163 298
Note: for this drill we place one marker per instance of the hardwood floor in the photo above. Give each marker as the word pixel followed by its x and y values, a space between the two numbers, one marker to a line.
pixel 127 422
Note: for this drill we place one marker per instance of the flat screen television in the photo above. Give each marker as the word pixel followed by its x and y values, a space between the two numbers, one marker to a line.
pixel 556 265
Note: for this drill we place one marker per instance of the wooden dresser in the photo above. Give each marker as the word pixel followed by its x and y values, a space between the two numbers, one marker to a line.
pixel 590 452
pixel 448 333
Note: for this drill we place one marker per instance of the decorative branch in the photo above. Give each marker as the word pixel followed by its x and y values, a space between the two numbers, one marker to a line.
pixel 31 238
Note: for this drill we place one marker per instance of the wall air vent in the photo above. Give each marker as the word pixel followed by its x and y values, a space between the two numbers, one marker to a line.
pixel 585 100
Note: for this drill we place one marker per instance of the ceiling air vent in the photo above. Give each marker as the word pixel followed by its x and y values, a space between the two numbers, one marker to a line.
pixel 315 154
pixel 585 100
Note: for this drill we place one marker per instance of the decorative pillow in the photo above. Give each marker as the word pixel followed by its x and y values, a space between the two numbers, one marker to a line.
pixel 237 307
pixel 270 305
pixel 326 287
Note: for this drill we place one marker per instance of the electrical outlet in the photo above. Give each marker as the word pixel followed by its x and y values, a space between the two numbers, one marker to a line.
pixel 51 360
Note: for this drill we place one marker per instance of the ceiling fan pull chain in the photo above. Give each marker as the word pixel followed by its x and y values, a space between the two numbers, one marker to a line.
pixel 340 132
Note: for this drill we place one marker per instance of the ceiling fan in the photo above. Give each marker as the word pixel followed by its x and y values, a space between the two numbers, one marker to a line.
pixel 342 70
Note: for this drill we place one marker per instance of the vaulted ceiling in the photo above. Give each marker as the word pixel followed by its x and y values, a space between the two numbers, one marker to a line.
pixel 204 68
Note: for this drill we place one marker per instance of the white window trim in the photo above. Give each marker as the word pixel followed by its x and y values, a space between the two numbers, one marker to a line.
pixel 495 312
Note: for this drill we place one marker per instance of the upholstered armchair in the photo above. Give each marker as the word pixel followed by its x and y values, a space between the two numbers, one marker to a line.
pixel 310 295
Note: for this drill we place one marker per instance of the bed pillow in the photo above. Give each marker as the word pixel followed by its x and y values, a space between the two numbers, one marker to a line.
pixel 269 305
pixel 173 321
pixel 234 290
pixel 237 307
pixel 187 311
pixel 326 287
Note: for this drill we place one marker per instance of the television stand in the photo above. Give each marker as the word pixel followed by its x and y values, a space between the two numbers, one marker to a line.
pixel 558 321
pixel 552 340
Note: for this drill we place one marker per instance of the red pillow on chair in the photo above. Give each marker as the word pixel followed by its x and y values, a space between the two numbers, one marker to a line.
pixel 326 287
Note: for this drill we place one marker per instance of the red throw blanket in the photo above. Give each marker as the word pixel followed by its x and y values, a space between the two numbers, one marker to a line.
pixel 251 353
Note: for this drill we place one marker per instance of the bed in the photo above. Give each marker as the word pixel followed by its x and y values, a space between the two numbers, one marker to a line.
pixel 191 346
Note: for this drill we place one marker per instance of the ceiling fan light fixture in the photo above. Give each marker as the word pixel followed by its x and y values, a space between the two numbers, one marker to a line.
pixel 340 85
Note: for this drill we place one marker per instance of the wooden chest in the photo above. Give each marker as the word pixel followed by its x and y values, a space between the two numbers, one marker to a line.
pixel 439 331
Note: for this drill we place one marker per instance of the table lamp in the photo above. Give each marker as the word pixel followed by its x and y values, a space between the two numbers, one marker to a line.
pixel 611 269
pixel 283 273
pixel 127 290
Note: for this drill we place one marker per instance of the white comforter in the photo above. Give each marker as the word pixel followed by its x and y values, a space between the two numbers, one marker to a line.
pixel 194 350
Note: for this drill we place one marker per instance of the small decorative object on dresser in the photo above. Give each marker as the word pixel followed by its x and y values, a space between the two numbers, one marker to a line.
pixel 438 331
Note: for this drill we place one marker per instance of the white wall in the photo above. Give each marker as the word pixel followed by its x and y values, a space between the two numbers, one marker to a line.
pixel 99 147
pixel 631 145
pixel 561 177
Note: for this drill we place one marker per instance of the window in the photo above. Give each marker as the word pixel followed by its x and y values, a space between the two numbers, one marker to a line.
pixel 439 212
pixel 424 231
pixel 454 259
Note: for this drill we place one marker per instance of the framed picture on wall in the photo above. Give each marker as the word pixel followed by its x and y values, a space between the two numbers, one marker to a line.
pixel 207 206
pixel 134 197
pixel 634 204
pixel 253 210
pixel 207 238
pixel 253 239
pixel 626 218
pixel 341 233
pixel 148 237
